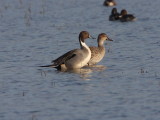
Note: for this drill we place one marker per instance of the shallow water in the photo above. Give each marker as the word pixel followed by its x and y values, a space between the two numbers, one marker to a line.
pixel 125 85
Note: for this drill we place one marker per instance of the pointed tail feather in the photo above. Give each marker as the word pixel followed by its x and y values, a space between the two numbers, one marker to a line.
pixel 47 66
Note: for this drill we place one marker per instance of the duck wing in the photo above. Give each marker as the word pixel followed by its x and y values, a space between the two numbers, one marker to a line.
pixel 60 60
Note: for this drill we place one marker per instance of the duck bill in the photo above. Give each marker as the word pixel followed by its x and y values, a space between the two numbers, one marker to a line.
pixel 92 37
pixel 109 39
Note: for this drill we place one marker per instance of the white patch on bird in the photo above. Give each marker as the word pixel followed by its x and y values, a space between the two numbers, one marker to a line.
pixel 110 3
pixel 84 45
pixel 86 60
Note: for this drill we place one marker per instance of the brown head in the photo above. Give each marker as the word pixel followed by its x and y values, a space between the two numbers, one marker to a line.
pixel 124 12
pixel 84 35
pixel 102 37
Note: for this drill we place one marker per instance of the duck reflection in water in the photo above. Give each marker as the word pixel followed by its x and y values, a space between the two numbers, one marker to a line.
pixel 85 72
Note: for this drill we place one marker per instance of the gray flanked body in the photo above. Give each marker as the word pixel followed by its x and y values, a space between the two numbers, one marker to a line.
pixel 73 59
pixel 97 53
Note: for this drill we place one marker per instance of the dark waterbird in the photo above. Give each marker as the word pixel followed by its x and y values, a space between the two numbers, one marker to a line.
pixel 125 17
pixel 109 3
pixel 114 15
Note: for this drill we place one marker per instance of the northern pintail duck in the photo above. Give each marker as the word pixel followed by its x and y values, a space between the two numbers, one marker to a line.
pixel 109 3
pixel 97 53
pixel 76 58
pixel 114 15
pixel 125 17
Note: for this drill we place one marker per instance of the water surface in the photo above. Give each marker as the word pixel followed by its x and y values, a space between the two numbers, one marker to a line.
pixel 125 85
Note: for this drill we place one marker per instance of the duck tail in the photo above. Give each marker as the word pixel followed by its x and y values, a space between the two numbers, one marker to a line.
pixel 48 66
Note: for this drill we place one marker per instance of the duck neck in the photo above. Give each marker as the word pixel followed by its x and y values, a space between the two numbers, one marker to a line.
pixel 100 43
pixel 101 47
pixel 83 44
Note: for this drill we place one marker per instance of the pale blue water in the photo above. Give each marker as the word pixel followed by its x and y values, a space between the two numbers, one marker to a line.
pixel 124 86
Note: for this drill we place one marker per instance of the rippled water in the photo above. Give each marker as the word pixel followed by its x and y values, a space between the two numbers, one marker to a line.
pixel 125 85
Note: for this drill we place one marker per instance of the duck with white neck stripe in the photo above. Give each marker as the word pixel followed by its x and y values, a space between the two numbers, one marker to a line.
pixel 76 58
